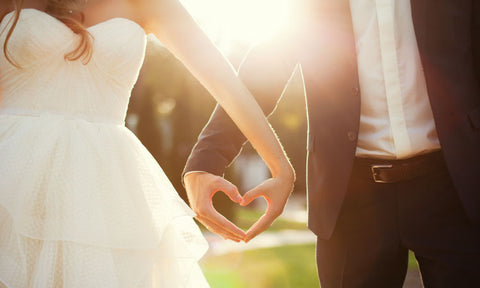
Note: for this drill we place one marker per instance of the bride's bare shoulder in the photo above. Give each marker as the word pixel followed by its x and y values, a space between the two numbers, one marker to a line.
pixel 153 8
pixel 146 12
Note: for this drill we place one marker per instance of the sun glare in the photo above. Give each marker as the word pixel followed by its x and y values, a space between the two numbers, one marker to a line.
pixel 239 21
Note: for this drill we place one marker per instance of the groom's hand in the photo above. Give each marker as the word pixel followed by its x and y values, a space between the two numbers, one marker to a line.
pixel 201 186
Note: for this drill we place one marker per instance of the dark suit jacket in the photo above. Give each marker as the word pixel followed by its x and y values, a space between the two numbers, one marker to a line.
pixel 448 36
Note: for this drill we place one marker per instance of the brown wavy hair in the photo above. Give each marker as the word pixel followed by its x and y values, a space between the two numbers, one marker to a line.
pixel 63 10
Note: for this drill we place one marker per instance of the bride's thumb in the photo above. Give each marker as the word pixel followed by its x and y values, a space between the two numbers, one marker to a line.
pixel 251 195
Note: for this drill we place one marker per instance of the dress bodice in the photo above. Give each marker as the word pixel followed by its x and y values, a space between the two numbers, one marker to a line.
pixel 46 82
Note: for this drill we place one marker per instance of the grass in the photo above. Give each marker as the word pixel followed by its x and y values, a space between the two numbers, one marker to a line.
pixel 412 262
pixel 280 267
pixel 245 218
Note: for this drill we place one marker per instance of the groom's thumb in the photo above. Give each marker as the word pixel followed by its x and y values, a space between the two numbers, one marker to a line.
pixel 230 190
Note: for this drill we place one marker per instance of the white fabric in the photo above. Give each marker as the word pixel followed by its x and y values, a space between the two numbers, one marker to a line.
pixel 82 202
pixel 396 118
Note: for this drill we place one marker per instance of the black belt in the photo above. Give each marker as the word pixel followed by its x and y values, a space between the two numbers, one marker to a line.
pixel 392 171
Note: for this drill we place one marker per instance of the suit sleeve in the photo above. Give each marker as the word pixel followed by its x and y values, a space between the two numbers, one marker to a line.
pixel 476 37
pixel 265 71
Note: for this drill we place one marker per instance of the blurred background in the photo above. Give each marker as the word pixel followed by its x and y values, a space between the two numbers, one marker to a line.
pixel 169 108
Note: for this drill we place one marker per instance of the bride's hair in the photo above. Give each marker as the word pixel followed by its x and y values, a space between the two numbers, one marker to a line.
pixel 63 11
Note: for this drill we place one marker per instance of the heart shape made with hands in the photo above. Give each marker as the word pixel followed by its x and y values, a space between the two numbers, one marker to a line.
pixel 203 187
pixel 226 207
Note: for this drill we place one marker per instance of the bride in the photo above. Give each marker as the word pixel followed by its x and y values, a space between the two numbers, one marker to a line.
pixel 82 202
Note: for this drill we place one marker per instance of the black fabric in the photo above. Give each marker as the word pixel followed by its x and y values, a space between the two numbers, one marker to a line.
pixel 378 223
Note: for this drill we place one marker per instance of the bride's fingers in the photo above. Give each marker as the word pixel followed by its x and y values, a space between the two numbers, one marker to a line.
pixel 252 195
pixel 261 225
pixel 264 222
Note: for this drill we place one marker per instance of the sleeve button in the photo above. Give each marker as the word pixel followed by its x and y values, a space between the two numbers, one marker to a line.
pixel 356 91
pixel 352 136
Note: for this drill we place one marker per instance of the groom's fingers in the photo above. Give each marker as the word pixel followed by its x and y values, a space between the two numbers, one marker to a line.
pixel 216 229
pixel 213 217
pixel 219 230
pixel 216 219
pixel 223 231
pixel 201 186
pixel 229 189
pixel 223 222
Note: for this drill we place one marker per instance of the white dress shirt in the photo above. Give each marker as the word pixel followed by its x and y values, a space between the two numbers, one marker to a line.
pixel 396 119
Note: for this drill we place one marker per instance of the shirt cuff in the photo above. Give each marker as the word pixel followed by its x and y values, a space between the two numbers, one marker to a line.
pixel 192 172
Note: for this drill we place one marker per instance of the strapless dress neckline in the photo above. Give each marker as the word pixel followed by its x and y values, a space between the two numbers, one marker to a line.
pixel 43 13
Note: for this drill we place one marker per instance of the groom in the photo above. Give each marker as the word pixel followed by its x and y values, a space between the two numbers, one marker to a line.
pixel 393 95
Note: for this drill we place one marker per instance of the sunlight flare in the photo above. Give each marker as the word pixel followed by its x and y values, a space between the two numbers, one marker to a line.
pixel 239 21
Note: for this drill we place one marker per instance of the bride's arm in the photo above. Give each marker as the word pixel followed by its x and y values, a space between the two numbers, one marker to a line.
pixel 181 35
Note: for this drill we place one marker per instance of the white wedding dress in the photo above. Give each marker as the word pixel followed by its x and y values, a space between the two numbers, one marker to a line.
pixel 82 202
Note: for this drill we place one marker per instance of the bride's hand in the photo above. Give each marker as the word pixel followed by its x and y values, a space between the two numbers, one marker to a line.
pixel 276 192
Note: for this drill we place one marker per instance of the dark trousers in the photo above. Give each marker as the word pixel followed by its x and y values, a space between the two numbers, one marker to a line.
pixel 380 222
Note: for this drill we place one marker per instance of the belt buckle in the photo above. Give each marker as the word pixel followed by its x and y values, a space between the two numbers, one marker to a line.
pixel 375 172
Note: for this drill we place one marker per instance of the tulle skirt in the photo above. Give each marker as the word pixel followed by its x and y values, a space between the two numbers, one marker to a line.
pixel 85 205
